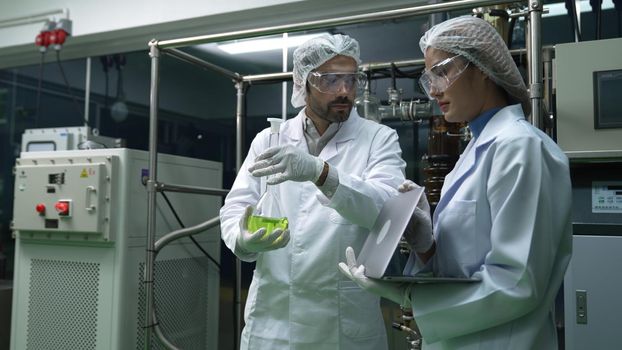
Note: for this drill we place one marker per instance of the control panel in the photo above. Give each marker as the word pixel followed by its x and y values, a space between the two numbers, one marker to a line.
pixel 63 198
pixel 607 197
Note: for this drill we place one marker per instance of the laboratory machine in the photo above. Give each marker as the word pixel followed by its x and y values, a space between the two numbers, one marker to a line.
pixel 80 222
pixel 589 130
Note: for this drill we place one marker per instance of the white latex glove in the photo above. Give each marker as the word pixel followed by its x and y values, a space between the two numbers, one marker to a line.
pixel 258 241
pixel 393 291
pixel 287 163
pixel 418 233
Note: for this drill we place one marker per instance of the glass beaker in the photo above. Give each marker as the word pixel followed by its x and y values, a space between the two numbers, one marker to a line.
pixel 267 212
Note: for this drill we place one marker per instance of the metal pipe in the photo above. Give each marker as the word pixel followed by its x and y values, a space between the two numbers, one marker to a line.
pixel 547 66
pixel 201 63
pixel 344 20
pixel 399 64
pixel 284 84
pixel 535 66
pixel 161 337
pixel 269 78
pixel 239 132
pixel 154 53
pixel 87 92
pixel 163 242
pixel 187 231
pixel 162 187
pixel 34 18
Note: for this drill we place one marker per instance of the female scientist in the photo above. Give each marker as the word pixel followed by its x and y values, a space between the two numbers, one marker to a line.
pixel 504 212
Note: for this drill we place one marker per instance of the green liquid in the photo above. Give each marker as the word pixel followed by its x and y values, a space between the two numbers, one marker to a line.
pixel 256 222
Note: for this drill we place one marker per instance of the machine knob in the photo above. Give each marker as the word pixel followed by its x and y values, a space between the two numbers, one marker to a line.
pixel 40 208
pixel 62 207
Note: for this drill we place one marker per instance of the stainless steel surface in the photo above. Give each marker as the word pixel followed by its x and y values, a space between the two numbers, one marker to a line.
pixel 377 16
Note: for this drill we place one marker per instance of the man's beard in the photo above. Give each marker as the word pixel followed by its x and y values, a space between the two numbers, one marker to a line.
pixel 332 116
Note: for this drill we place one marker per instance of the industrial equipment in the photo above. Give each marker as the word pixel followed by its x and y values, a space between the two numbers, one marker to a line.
pixel 592 285
pixel 67 138
pixel 588 79
pixel 80 222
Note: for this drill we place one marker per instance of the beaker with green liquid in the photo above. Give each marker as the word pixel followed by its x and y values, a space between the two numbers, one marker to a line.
pixel 267 212
pixel 255 222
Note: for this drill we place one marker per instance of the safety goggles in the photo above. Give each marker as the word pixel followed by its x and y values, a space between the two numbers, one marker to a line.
pixel 332 82
pixel 440 77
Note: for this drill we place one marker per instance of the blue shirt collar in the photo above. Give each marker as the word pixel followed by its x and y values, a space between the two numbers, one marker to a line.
pixel 477 125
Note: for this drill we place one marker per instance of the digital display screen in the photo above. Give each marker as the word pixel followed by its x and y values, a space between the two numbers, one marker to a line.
pixel 607 106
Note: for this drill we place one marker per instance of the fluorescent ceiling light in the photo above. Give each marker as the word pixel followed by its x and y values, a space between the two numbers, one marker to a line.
pixel 559 8
pixel 257 45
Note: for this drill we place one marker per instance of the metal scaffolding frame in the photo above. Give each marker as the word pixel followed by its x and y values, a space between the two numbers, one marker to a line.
pixel 241 82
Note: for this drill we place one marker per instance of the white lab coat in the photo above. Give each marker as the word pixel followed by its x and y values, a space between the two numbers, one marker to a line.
pixel 504 215
pixel 298 299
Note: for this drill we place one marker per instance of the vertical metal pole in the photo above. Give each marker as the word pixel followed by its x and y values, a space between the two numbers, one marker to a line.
pixel 535 61
pixel 239 139
pixel 547 66
pixel 154 53
pixel 87 92
pixel 284 84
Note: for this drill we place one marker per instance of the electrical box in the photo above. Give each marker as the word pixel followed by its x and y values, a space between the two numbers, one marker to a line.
pixel 80 225
pixel 593 283
pixel 70 196
pixel 588 81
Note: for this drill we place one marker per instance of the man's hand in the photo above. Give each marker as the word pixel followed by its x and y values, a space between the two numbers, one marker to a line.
pixel 287 163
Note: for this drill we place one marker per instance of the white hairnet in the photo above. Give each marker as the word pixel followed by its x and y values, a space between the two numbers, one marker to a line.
pixel 315 52
pixel 478 41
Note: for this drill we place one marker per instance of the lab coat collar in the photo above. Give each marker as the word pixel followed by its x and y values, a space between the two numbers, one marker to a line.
pixel 348 130
pixel 468 159
pixel 498 122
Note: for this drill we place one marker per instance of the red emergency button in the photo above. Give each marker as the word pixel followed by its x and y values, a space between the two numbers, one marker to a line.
pixel 62 207
pixel 40 208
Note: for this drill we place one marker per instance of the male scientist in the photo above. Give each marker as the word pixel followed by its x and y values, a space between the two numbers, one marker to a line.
pixel 330 174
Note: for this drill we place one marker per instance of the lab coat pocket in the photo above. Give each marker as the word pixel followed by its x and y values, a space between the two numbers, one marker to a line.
pixel 359 314
pixel 456 233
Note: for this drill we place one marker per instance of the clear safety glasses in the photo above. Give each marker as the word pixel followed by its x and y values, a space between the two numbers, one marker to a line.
pixel 440 77
pixel 332 82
